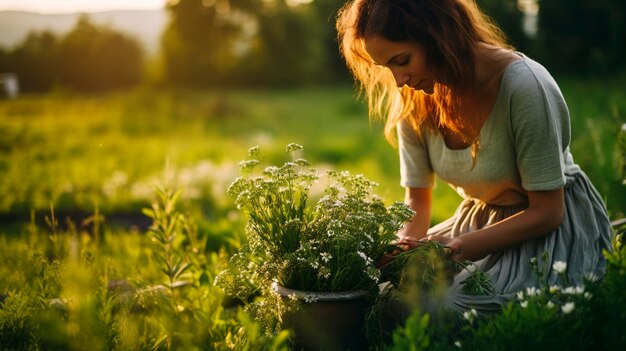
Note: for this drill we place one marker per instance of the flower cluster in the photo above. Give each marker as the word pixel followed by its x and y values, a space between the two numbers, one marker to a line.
pixel 551 296
pixel 331 245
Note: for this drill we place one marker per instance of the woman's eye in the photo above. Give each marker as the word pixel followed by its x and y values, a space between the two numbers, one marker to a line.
pixel 403 61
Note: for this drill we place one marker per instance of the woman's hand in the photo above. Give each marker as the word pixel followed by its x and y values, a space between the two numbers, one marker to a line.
pixel 405 243
pixel 454 245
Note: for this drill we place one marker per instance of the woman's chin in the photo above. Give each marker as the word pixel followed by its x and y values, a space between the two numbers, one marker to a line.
pixel 428 91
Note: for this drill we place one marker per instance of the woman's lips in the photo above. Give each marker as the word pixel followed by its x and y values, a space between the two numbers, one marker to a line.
pixel 424 85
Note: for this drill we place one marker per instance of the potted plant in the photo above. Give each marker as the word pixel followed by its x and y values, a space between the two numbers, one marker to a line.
pixel 315 261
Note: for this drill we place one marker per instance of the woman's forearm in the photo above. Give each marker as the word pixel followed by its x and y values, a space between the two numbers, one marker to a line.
pixel 543 216
pixel 420 201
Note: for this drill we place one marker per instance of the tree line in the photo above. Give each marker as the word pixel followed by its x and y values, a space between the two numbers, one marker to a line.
pixel 261 43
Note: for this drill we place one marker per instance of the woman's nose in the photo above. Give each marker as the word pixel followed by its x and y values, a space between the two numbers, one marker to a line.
pixel 401 78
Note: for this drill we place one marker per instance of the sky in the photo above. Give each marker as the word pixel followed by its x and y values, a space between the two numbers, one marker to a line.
pixel 69 6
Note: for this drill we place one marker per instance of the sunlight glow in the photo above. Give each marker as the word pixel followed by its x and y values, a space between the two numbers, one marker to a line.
pixel 70 6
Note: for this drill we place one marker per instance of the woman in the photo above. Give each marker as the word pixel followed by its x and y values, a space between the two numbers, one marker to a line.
pixel 493 124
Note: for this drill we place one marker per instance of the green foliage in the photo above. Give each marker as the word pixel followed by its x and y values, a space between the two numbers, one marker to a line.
pixel 35 61
pixel 88 58
pixel 251 43
pixel 93 58
pixel 330 246
pixel 586 317
pixel 508 16
pixel 109 294
pixel 413 336
pixel 596 47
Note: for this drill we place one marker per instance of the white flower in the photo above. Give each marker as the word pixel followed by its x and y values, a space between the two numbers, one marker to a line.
pixel 364 257
pixel 570 290
pixel 532 291
pixel 326 257
pixel 520 295
pixel 568 307
pixel 471 268
pixel 292 297
pixel 310 298
pixel 467 315
pixel 524 304
pixel 591 277
pixel 533 260
pixel 457 344
pixel 559 266
pixel 587 295
pixel 554 289
pixel 624 127
pixel 580 290
pixel 550 304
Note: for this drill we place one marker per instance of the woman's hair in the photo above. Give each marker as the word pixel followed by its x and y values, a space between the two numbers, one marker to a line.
pixel 448 31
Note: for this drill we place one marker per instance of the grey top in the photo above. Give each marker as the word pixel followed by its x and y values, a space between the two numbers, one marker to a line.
pixel 524 144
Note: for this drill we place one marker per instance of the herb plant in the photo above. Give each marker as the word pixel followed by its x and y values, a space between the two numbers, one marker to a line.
pixel 332 245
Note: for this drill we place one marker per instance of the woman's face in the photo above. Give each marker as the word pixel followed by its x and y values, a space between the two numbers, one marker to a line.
pixel 405 59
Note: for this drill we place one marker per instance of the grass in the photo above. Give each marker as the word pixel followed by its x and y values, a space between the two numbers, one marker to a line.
pixel 102 155
pixel 85 152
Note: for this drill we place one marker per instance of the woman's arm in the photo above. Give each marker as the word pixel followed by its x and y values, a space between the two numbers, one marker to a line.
pixel 420 201
pixel 543 215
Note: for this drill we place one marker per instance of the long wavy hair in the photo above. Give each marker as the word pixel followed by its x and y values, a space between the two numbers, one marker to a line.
pixel 447 29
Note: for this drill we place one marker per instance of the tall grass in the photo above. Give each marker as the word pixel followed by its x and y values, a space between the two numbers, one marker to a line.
pixel 82 284
pixel 108 151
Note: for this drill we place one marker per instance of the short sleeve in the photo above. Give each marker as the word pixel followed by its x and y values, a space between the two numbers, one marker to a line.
pixel 415 167
pixel 540 126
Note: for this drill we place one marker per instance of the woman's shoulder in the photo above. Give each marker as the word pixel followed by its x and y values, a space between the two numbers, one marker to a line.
pixel 528 77
pixel 526 73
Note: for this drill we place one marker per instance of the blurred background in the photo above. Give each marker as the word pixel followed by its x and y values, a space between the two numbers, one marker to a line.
pixel 101 102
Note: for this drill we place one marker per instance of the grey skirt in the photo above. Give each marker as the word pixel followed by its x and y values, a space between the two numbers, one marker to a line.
pixel 579 241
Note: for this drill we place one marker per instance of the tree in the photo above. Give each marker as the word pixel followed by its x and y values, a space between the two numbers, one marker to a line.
pixel 509 18
pixel 94 58
pixel 35 61
pixel 578 36
pixel 199 44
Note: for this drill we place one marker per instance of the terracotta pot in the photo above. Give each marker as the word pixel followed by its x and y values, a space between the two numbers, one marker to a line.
pixel 326 320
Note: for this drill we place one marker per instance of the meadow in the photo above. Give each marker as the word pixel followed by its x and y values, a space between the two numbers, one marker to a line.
pixel 81 268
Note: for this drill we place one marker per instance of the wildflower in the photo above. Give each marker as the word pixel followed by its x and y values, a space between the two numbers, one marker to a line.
pixel 520 295
pixel 550 304
pixel 180 308
pixel 373 273
pixel 457 344
pixel 568 307
pixel 470 315
pixel 292 297
pixel 326 257
pixel 570 290
pixel 524 304
pixel 559 267
pixel 533 260
pixel 587 295
pixel 310 298
pixel 471 268
pixel 554 289
pixel 467 315
pixel 249 164
pixel 293 147
pixel 364 257
pixel 591 277
pixel 532 291
pixel 579 290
